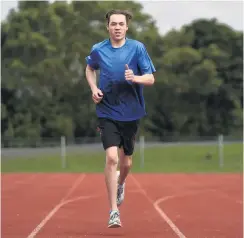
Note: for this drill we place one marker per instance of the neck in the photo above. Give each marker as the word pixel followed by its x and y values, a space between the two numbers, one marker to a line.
pixel 118 43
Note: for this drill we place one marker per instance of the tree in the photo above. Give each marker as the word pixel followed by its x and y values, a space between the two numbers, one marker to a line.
pixel 201 89
pixel 44 63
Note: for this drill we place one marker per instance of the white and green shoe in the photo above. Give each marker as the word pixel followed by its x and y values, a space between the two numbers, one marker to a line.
pixel 114 220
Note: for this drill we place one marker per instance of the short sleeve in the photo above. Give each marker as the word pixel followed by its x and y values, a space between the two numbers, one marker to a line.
pixel 93 59
pixel 145 63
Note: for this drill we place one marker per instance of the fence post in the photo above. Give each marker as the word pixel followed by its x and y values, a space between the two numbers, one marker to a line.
pixel 63 152
pixel 142 147
pixel 221 151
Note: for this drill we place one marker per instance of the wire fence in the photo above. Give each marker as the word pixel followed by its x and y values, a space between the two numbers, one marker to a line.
pixel 60 154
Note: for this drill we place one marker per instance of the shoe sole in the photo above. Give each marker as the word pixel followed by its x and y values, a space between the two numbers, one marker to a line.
pixel 115 225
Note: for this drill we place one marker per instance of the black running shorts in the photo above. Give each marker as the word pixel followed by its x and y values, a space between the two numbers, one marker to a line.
pixel 118 133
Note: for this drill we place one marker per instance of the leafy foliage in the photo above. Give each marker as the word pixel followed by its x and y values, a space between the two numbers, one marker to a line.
pixel 198 89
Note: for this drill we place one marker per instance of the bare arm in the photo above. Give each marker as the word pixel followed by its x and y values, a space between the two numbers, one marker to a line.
pixel 91 77
pixel 146 79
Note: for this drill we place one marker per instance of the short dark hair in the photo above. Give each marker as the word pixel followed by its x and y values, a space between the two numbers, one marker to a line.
pixel 128 15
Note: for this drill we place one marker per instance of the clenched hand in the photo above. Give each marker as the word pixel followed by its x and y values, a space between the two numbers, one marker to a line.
pixel 97 95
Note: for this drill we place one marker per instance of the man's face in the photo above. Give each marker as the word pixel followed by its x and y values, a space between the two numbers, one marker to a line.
pixel 117 27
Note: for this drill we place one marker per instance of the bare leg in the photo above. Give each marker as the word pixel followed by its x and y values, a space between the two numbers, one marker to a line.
pixel 111 175
pixel 125 165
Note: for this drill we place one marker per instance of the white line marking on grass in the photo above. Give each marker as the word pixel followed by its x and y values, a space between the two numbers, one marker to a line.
pixel 57 207
pixel 159 210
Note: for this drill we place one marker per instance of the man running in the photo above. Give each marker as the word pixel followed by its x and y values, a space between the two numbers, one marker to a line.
pixel 125 67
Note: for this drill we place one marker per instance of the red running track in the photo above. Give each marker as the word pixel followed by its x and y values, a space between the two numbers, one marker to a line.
pixel 156 205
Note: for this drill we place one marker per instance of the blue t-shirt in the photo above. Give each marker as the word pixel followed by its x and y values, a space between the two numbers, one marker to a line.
pixel 122 99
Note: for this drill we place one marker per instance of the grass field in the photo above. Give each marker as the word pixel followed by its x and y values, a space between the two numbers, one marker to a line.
pixel 158 159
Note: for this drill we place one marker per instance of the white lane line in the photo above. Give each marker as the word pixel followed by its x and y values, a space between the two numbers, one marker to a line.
pixel 159 210
pixel 56 208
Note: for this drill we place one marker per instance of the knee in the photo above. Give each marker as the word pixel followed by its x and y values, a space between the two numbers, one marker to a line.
pixel 112 159
pixel 126 162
